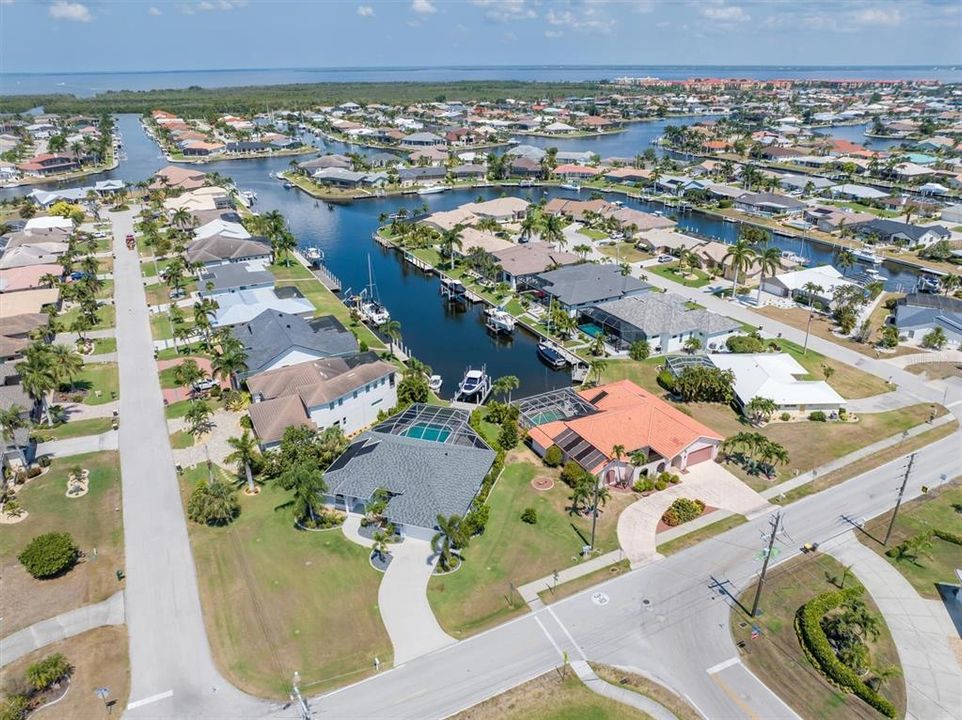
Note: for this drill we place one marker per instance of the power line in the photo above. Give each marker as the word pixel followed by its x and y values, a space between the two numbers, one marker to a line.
pixel 768 556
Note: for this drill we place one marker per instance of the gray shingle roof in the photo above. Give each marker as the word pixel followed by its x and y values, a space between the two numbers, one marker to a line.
pixel 587 283
pixel 273 333
pixel 235 275
pixel 657 314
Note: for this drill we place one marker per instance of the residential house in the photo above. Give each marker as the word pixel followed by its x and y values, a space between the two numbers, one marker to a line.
pixel 918 314
pixel 220 249
pixel 895 232
pixel 793 284
pixel 574 287
pixel 522 262
pixel 769 204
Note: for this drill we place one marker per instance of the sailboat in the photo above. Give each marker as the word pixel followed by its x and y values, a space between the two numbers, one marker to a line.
pixel 367 303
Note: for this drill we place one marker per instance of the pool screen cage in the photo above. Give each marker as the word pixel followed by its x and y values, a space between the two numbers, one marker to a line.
pixel 553 405
pixel 677 364
pixel 450 425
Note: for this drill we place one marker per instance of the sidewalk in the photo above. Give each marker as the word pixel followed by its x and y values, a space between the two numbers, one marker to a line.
pixel 61 627
pixel 619 694
pixel 79 445
pixel 920 628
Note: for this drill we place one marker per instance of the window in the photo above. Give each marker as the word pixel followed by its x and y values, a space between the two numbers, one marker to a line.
pixel 340 401
pixel 331 406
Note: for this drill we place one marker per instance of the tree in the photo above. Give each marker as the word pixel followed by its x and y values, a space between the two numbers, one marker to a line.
pixel 379 546
pixel 11 420
pixel 65 363
pixel 692 344
pixel 811 290
pixel 37 378
pixel 739 257
pixel 49 555
pixel 618 451
pixel 639 350
pixel 198 417
pixel 581 493
pixel 213 502
pixel 413 388
pixel 392 328
pixel 705 384
pixel 582 250
pixel 188 373
pixel 769 262
pixel 450 536
pixel 503 386
pixel 596 368
pixel 451 239
pixel 846 260
pixel 245 456
pixel 760 408
pixel 309 488
pixel 552 231
pixel 48 672
pixel 230 361
pixel 935 339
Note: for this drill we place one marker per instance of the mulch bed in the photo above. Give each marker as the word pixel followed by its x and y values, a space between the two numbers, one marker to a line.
pixel 542 484
pixel 662 526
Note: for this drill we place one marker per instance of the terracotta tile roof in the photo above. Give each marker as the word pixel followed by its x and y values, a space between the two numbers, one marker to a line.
pixel 629 416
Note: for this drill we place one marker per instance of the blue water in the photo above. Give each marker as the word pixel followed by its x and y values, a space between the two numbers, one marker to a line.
pixel 91 83
pixel 445 337
pixel 856 134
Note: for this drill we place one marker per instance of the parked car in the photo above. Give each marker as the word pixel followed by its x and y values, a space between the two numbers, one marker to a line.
pixel 665 259
pixel 203 385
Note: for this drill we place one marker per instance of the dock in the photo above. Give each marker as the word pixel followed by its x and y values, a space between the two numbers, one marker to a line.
pixel 327 278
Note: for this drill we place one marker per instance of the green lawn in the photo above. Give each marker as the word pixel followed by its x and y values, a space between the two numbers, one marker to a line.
pixel 513 552
pixel 693 538
pixel 182 351
pixel 625 251
pixel 672 272
pixel 592 233
pixel 181 439
pixel 776 657
pixel 939 509
pixel 74 428
pixel 850 382
pixel 106 317
pixel 551 697
pixel 102 346
pixel 101 381
pixel 278 600
pixel 162 328
pixel 94 521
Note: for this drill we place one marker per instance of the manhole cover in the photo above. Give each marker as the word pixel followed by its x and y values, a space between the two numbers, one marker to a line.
pixel 599 598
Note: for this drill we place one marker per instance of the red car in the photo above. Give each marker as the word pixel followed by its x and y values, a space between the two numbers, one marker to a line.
pixel 131 243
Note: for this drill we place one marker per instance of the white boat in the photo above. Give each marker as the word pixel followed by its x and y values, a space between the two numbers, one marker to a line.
pixel 367 304
pixel 571 186
pixel 793 258
pixel 498 320
pixel 867 255
pixel 929 284
pixel 475 386
pixel 729 220
pixel 433 190
pixel 434 383
pixel 313 254
pixel 248 197
pixel 288 185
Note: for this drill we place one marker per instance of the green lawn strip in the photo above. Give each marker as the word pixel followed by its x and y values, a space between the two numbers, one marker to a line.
pixel 849 382
pixel 159 294
pixel 277 599
pixel 866 464
pixel 551 697
pixel 162 328
pixel 106 290
pixel 939 509
pixel 669 273
pixel 102 378
pixel 565 589
pixel 106 317
pixel 94 521
pixel 777 658
pixel 592 233
pixel 643 373
pixel 179 408
pixel 649 688
pixel 512 552
pixel 292 271
pixel 701 534
pixel 624 251
pixel 181 440
pixel 183 351
pixel 102 346
pixel 429 255
pixel 74 428
pixel 105 265
pixel 936 370
pixel 327 303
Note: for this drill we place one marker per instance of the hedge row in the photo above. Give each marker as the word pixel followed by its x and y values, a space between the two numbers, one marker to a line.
pixel 947 536
pixel 814 642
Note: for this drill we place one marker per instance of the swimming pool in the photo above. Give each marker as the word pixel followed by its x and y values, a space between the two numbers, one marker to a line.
pixel 591 329
pixel 426 431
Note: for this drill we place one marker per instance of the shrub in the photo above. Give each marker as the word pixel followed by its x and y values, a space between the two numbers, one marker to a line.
pixel 785 416
pixel 643 485
pixel 33 471
pixel 745 344
pixel 246 422
pixel 14 707
pixel 948 536
pixel 815 643
pixel 49 671
pixel 44 461
pixel 49 555
pixel 666 380
pixel 553 457
pixel 682 510
pixel 529 516
pixel 842 414
pixel 639 350
pixel 508 437
pixel 817 416
pixel 571 473
pixel 213 503
pixel 660 484
pixel 476 520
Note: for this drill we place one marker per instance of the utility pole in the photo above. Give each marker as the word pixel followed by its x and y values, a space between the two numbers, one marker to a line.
pixel 768 556
pixel 898 502
pixel 298 699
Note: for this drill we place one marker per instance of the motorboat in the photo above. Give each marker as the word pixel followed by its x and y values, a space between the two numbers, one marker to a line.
pixel 793 258
pixel 432 190
pixel 434 383
pixel 729 220
pixel 452 289
pixel 929 284
pixel 551 355
pixel 288 185
pixel 475 386
pixel 248 197
pixel 498 320
pixel 571 186
pixel 866 255
pixel 313 254
pixel 367 304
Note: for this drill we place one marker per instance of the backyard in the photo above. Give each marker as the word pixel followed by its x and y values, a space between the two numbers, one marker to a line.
pixel 512 552
pixel 924 567
pixel 277 599
pixel 777 658
pixel 93 520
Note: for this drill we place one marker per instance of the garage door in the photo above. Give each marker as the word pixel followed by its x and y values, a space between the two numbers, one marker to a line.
pixel 700 455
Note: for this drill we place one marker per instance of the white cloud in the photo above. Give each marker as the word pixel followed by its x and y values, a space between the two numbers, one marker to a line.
pixel 588 19
pixel 365 11
pixel 887 17
pixel 505 10
pixel 423 7
pixel 551 34
pixel 725 13
pixel 154 11
pixel 73 11
pixel 211 5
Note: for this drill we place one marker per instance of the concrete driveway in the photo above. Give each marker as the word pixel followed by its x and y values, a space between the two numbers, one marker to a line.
pixel 709 482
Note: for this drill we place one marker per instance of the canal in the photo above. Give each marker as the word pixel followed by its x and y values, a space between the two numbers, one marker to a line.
pixel 447 340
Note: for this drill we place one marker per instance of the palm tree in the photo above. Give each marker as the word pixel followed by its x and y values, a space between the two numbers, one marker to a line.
pixel 392 328
pixel 230 361
pixel 37 378
pixel 245 455
pixel 618 451
pixel 760 408
pixel 769 262
pixel 65 363
pixel 11 420
pixel 309 487
pixel 582 250
pixel 596 367
pixel 182 218
pixel 846 261
pixel 529 225
pixel 740 255
pixel 379 547
pixel 198 417
pixel 553 232
pixel 811 289
pixel 504 385
pixel 451 239
pixel 203 309
pixel 580 495
pixel 450 536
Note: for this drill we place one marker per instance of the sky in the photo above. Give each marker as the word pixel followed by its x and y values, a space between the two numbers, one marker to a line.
pixel 135 35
